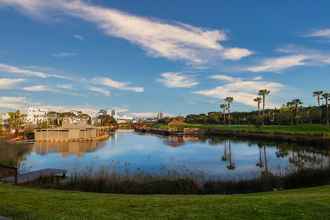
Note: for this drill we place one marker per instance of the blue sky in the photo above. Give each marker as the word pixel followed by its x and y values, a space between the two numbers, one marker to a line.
pixel 148 56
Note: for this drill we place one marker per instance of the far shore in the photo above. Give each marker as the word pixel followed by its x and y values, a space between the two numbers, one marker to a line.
pixel 304 133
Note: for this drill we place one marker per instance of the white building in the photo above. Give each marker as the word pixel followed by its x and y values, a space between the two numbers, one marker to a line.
pixel 4 120
pixel 121 119
pixel 35 115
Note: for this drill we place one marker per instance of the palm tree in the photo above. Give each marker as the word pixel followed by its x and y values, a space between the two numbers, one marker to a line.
pixel 318 95
pixel 224 107
pixel 296 103
pixel 228 101
pixel 16 121
pixel 326 97
pixel 263 93
pixel 258 100
pixel 290 107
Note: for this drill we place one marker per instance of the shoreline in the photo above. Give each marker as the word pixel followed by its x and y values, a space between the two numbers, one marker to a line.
pixel 261 134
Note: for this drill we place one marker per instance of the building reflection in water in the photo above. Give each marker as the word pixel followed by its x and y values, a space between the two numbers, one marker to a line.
pixel 177 141
pixel 78 149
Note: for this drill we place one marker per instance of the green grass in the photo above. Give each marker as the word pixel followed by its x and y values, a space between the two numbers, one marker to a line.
pixel 302 129
pixel 29 203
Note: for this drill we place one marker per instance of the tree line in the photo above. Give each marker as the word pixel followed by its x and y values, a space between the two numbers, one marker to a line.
pixel 293 112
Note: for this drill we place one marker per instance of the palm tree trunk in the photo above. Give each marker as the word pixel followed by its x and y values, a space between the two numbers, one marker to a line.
pixel 263 109
pixel 327 109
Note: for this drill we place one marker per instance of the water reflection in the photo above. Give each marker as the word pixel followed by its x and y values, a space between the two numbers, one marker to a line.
pixel 216 157
pixel 66 149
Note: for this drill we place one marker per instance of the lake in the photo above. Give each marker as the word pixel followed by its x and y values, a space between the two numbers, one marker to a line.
pixel 130 152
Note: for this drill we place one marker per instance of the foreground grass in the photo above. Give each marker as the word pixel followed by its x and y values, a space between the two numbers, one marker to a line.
pixel 28 203
pixel 302 129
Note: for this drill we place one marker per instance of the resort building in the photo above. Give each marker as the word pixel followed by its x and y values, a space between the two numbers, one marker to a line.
pixel 36 115
pixel 71 131
pixel 4 120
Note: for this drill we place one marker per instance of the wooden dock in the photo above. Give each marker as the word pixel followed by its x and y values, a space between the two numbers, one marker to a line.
pixel 34 175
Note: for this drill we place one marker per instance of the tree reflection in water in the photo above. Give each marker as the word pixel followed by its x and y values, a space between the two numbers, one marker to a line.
pixel 231 165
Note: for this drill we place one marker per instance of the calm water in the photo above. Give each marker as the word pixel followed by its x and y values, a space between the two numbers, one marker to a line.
pixel 213 157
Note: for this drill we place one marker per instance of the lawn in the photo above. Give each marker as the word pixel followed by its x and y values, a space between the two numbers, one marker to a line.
pixel 28 203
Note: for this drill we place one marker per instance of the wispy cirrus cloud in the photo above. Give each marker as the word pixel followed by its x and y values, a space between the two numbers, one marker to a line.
pixel 106 81
pixel 64 54
pixel 321 33
pixel 243 90
pixel 291 56
pixel 49 89
pixel 21 71
pixel 79 37
pixel 8 83
pixel 65 86
pixel 39 88
pixel 278 63
pixel 27 72
pixel 174 41
pixel 177 80
pixel 99 90
pixel 13 102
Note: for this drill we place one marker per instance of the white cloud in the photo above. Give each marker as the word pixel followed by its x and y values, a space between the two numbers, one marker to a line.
pixel 79 37
pixel 65 86
pixel 106 81
pixel 12 103
pixel 27 72
pixel 175 41
pixel 38 88
pixel 243 91
pixel 322 33
pixel 227 78
pixel 22 103
pixel 64 54
pixel 146 114
pixel 292 56
pixel 21 71
pixel 6 83
pixel 236 53
pixel 278 64
pixel 99 90
pixel 177 80
pixel 60 89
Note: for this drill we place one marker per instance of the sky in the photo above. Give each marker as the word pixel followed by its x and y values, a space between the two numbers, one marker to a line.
pixel 145 56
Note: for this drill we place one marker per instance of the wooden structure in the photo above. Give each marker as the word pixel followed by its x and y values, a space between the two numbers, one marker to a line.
pixel 8 172
pixel 71 134
pixel 10 175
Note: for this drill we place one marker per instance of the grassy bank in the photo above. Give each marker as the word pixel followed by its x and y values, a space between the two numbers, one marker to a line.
pixel 28 203
pixel 187 182
pixel 314 130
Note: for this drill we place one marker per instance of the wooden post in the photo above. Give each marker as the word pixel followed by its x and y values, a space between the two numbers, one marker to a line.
pixel 16 176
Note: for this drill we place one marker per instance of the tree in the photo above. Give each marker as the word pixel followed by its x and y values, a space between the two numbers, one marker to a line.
pixel 16 121
pixel 318 95
pixel 223 107
pixel 1 124
pixel 231 165
pixel 295 104
pixel 263 93
pixel 326 97
pixel 258 100
pixel 228 101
